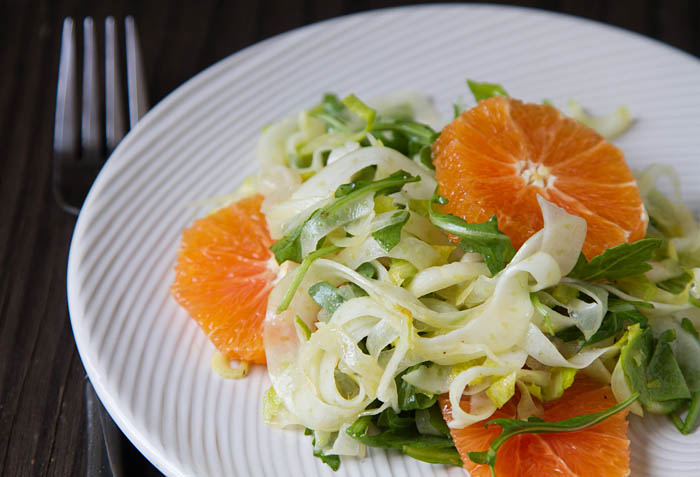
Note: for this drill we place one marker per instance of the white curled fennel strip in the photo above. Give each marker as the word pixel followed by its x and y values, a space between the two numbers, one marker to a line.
pixel 498 324
pixel 271 147
pixel 480 409
pixel 588 316
pixel 282 218
pixel 298 384
pixel 621 390
pixel 561 237
pixel 419 253
pixel 438 277
pixel 543 350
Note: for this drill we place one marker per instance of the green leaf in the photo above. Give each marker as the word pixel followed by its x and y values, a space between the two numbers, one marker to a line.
pixel 410 398
pixel 617 262
pixel 676 284
pixel 434 454
pixel 652 371
pixel 437 420
pixel 299 275
pixel 399 431
pixel 334 113
pixel 687 325
pixel 404 437
pixel 397 131
pixel 484 238
pixel 389 236
pixel 513 427
pixel 616 322
pixel 389 419
pixel 367 270
pixel 692 418
pixel 289 246
pixel 388 185
pixel 332 460
pixel 485 90
pixel 326 296
pixel 618 304
pixel 418 133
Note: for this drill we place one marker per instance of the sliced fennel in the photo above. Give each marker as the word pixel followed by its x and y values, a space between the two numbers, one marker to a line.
pixel 380 311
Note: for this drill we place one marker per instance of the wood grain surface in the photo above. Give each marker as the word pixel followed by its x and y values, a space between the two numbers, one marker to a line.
pixel 41 377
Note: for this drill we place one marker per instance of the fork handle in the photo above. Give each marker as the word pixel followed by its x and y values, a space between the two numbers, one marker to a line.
pixel 98 459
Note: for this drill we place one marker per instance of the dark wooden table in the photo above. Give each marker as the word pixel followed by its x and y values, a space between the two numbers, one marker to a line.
pixel 42 417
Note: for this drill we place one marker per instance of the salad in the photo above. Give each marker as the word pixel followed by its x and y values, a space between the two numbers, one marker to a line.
pixel 391 322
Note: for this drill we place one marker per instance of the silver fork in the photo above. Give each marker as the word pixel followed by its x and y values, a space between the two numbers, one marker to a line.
pixel 75 165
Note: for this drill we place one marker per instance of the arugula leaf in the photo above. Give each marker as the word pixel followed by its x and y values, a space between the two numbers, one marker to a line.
pixel 410 398
pixel 676 284
pixel 332 460
pixel 399 432
pixel 438 421
pixel 614 323
pixel 484 238
pixel 300 272
pixel 433 454
pixel 326 296
pixel 687 325
pixel 388 185
pixel 367 270
pixel 485 90
pixel 289 246
pixel 389 236
pixel 407 136
pixel 687 350
pixel 341 116
pixel 652 371
pixel 534 425
pixel 333 113
pixel 418 133
pixel 617 262
pixel 619 304
pixel 388 418
pixel 411 138
pixel 691 419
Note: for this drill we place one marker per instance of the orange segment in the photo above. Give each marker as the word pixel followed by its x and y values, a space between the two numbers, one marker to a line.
pixel 498 156
pixel 602 450
pixel 223 276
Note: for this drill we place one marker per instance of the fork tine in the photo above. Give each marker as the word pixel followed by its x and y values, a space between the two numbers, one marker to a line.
pixel 136 82
pixel 65 131
pixel 114 116
pixel 90 120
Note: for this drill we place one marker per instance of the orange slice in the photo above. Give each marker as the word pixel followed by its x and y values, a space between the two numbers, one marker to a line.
pixel 601 450
pixel 496 157
pixel 224 273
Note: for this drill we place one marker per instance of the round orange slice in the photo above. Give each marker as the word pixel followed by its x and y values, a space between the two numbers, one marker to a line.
pixel 496 157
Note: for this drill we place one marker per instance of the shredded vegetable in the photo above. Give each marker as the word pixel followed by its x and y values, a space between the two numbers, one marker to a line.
pixel 379 312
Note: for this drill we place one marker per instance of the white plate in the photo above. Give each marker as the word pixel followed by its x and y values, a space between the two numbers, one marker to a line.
pixel 150 363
